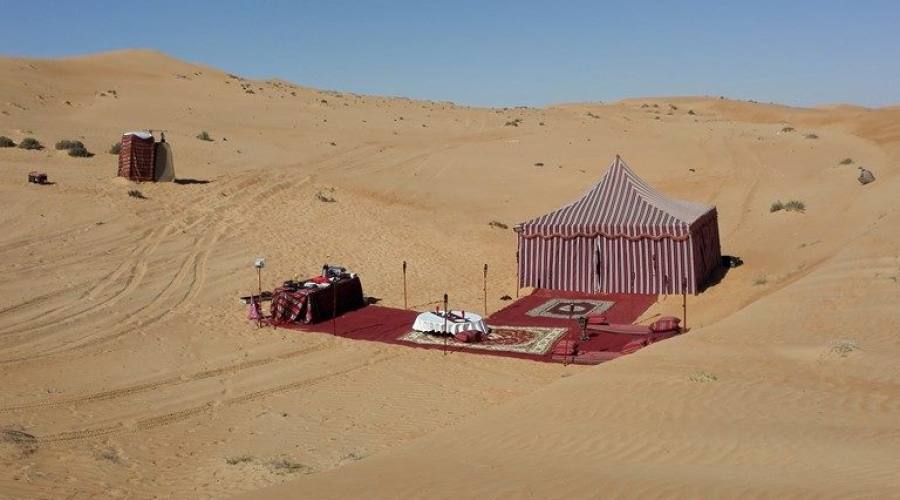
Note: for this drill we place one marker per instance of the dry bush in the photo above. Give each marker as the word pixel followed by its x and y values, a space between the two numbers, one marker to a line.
pixel 67 144
pixel 115 148
pixel 134 193
pixel 238 459
pixel 6 142
pixel 204 136
pixel 30 143
pixel 80 152
pixel 703 377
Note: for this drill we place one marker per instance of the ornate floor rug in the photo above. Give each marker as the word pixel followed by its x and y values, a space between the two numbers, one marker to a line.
pixel 569 308
pixel 520 339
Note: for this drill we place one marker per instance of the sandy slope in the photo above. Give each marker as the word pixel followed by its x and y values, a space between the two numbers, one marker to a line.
pixel 123 350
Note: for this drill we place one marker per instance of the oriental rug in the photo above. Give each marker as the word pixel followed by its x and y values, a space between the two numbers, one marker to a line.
pixel 535 340
pixel 569 308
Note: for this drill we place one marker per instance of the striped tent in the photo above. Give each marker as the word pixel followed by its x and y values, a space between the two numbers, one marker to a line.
pixel 622 236
pixel 136 156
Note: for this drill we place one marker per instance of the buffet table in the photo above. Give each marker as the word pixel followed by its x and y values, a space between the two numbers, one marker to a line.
pixel 311 305
pixel 458 321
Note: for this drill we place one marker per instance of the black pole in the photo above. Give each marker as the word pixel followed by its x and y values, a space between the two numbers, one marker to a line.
pixel 485 292
pixel 446 315
pixel 684 300
pixel 405 302
pixel 517 275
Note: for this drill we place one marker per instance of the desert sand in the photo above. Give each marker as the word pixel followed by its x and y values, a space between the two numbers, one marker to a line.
pixel 129 369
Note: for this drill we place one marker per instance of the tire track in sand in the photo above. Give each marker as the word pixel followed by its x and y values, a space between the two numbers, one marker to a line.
pixel 150 423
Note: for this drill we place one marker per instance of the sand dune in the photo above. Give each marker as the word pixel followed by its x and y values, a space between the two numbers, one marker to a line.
pixel 124 353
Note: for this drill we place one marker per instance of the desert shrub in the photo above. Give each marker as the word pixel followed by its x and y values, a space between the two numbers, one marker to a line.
pixel 539 164
pixel 31 143
pixel 325 198
pixel 6 142
pixel 787 129
pixel 843 348
pixel 812 136
pixel 286 465
pixel 67 144
pixel 703 377
pixel 691 112
pixel 111 455
pixel 795 206
pixel 115 148
pixel 204 136
pixel 134 193
pixel 513 123
pixel 498 224
pixel 762 280
pixel 238 459
pixel 80 152
pixel 776 206
pixel 846 161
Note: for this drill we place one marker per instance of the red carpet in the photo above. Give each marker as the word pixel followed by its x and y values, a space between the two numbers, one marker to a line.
pixel 385 324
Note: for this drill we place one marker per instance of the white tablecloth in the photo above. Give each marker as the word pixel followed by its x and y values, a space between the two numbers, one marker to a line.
pixel 431 322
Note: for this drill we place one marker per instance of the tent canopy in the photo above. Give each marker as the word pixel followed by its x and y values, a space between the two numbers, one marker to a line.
pixel 621 204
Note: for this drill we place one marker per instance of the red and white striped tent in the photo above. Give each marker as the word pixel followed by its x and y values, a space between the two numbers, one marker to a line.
pixel 622 236
pixel 136 156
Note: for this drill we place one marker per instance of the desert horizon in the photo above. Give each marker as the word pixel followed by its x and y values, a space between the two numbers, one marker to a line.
pixel 130 369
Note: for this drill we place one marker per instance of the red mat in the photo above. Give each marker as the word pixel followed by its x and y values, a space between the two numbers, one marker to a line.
pixel 385 324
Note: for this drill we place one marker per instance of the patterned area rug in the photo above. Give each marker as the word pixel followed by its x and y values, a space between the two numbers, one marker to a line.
pixel 569 308
pixel 520 339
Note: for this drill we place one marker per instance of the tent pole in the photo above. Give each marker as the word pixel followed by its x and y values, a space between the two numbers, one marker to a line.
pixel 258 303
pixel 684 301
pixel 485 291
pixel 517 275
pixel 446 315
pixel 405 302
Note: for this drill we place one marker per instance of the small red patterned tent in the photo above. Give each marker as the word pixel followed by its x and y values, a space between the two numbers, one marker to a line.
pixel 136 157
pixel 622 236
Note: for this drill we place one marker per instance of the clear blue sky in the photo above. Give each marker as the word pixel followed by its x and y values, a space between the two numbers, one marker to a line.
pixel 502 53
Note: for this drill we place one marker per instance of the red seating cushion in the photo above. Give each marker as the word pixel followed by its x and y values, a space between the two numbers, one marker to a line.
pixel 468 336
pixel 565 348
pixel 665 324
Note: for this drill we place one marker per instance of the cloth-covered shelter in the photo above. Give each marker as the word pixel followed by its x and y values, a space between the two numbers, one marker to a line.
pixel 137 157
pixel 622 236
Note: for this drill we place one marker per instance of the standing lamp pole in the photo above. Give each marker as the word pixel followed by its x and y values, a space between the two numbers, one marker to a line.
pixel 485 291
pixel 405 302
pixel 684 300
pixel 517 275
pixel 446 315
pixel 258 302
pixel 259 263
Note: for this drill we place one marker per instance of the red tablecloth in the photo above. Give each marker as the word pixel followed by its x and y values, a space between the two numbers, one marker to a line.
pixel 316 304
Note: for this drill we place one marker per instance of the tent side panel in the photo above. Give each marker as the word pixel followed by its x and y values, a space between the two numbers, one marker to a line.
pixel 557 263
pixel 707 250
pixel 644 266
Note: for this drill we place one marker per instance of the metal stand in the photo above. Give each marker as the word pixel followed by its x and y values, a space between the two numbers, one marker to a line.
pixel 446 315
pixel 258 302
pixel 405 302
pixel 485 292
